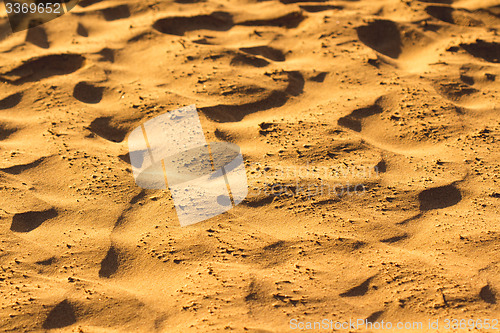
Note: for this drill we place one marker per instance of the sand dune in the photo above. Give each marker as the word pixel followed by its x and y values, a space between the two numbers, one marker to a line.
pixel 370 132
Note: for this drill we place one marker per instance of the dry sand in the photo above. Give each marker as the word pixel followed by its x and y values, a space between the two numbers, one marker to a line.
pixel 407 88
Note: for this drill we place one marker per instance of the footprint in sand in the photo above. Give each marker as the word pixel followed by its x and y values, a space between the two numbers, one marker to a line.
pixel 489 51
pixel 38 36
pixel 62 315
pixel 439 197
pixel 116 13
pixel 88 93
pixel 11 101
pixel 82 30
pixel 223 21
pixel 275 98
pixel 320 8
pixel 39 68
pixel 110 263
pixel 179 25
pixel 111 129
pixel 463 17
pixel 6 130
pixel 29 221
pixel 358 290
pixel 392 39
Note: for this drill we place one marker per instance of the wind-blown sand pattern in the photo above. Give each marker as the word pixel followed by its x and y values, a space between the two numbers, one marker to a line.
pixel 407 88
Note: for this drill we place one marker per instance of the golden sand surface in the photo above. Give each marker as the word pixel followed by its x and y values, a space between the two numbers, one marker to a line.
pixel 370 133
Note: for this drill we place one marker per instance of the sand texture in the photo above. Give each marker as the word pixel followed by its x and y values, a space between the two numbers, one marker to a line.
pixel 401 97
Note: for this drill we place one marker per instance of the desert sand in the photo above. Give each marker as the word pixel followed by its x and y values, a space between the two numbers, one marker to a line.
pixel 394 104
